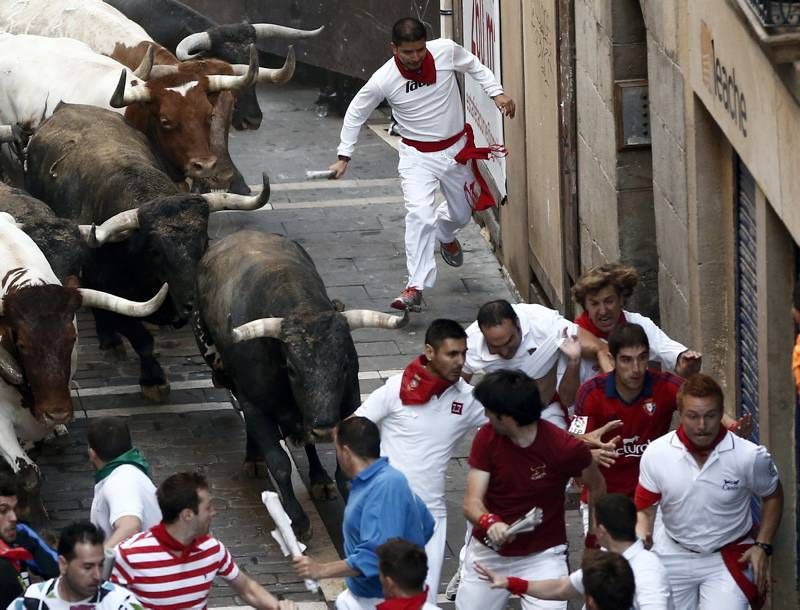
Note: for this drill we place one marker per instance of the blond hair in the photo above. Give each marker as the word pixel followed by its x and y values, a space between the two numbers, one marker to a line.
pixel 622 277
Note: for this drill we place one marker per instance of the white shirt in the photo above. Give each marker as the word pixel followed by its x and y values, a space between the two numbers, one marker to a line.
pixel 652 586
pixel 705 508
pixel 419 440
pixel 427 113
pixel 662 348
pixel 45 595
pixel 127 491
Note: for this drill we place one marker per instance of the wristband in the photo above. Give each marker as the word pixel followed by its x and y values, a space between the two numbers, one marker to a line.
pixel 590 542
pixel 343 158
pixel 517 586
pixel 487 520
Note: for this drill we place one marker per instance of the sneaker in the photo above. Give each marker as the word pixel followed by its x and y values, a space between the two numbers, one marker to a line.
pixel 452 587
pixel 410 299
pixel 452 253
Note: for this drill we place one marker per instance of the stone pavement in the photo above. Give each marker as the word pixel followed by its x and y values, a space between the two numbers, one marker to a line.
pixel 353 229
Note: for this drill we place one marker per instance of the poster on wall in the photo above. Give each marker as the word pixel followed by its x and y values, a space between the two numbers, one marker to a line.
pixel 482 38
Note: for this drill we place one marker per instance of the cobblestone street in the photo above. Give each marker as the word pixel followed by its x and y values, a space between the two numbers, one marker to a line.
pixel 353 229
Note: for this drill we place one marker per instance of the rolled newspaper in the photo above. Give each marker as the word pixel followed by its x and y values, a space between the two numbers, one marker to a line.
pixel 320 174
pixel 284 534
pixel 527 523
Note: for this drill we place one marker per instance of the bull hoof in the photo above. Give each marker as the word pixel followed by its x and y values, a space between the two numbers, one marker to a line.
pixel 156 393
pixel 254 469
pixel 116 351
pixel 323 491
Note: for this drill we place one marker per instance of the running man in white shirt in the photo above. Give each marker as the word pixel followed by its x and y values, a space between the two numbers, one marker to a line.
pixel 124 501
pixel 422 414
pixel 615 527
pixel 538 341
pixel 601 292
pixel 703 477
pixel 437 149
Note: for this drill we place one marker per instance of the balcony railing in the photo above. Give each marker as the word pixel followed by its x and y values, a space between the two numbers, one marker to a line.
pixel 777 13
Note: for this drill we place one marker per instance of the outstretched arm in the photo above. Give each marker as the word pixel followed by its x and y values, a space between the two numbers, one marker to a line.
pixel 359 110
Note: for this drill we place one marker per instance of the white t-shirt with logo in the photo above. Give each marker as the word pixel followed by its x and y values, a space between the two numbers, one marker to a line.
pixel 652 585
pixel 419 440
pixel 127 491
pixel 45 595
pixel 705 508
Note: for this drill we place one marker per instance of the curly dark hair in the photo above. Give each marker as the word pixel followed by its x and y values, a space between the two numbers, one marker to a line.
pixel 621 277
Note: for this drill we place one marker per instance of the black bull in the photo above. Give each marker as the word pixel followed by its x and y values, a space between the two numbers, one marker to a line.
pixel 295 376
pixel 91 166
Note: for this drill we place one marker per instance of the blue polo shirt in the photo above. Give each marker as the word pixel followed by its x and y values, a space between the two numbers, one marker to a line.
pixel 381 506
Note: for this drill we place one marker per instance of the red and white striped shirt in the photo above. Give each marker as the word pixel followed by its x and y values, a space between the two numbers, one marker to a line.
pixel 162 581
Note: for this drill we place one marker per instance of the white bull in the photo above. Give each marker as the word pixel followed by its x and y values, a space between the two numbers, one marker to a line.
pixel 38 344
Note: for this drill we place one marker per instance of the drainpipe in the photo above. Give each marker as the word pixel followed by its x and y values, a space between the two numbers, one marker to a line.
pixel 446 18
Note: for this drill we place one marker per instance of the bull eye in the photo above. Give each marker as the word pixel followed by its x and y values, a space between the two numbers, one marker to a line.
pixel 166 124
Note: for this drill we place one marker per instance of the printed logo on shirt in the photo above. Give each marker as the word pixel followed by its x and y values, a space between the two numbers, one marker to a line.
pixel 456 408
pixel 413 85
pixel 538 472
pixel 773 469
pixel 730 484
pixel 531 350
pixel 649 407
pixel 630 447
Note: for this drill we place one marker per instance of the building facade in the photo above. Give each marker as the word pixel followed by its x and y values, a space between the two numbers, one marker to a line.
pixel 666 134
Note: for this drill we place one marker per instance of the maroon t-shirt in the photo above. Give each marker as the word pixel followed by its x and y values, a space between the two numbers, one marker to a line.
pixel 521 478
pixel 643 421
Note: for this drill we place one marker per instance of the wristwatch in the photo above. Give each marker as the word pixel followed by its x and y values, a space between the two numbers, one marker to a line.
pixel 767 548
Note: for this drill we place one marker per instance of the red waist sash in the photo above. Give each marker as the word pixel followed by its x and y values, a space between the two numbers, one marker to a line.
pixel 480 198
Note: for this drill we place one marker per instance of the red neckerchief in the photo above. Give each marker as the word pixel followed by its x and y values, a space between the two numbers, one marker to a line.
pixel 161 534
pixel 585 322
pixel 419 384
pixel 404 603
pixel 14 554
pixel 426 74
pixel 702 451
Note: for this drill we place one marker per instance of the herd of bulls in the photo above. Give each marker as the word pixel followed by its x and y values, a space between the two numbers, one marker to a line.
pixel 116 116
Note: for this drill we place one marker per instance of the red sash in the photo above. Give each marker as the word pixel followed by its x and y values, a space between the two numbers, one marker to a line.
pixel 426 74
pixel 419 384
pixel 481 199
pixel 730 555
pixel 404 603
pixel 14 554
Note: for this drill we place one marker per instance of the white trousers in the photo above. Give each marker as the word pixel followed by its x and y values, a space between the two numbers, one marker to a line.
pixel 420 175
pixel 435 552
pixel 347 601
pixel 702 582
pixel 474 593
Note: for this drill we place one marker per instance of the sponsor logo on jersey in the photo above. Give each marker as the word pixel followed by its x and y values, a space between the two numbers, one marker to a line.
pixel 730 484
pixel 413 85
pixel 456 408
pixel 531 350
pixel 649 407
pixel 631 447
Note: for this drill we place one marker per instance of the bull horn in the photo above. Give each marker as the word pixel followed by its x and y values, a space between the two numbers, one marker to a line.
pixel 112 230
pixel 124 95
pixel 144 68
pixel 272 75
pixel 217 202
pixel 193 45
pixel 6 133
pixel 367 318
pixel 132 309
pixel 224 82
pixel 271 30
pixel 9 368
pixel 265 327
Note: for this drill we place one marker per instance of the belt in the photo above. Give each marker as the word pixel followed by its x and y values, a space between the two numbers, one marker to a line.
pixel 683 546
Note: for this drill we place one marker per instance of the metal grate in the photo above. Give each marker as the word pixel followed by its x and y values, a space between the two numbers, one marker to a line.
pixel 747 303
pixel 777 13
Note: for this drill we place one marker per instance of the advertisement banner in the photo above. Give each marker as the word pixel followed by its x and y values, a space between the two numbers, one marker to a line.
pixel 482 38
